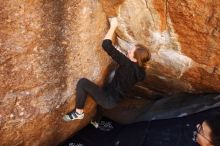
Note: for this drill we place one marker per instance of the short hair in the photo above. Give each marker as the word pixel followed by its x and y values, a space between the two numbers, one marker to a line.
pixel 142 55
pixel 214 124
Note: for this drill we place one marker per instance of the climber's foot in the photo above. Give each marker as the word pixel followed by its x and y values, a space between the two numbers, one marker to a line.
pixel 73 116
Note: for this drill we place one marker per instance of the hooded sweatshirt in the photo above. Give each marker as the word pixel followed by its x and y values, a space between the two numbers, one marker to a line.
pixel 126 75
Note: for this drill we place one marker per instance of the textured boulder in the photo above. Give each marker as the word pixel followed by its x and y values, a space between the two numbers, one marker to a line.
pixel 184 38
pixel 46 46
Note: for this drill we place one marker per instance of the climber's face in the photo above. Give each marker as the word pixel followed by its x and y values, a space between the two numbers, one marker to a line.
pixel 203 136
pixel 130 54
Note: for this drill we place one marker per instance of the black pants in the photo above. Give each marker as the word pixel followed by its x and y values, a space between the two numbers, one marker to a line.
pixel 85 87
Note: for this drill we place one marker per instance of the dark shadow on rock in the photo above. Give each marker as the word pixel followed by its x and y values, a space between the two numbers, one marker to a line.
pixel 180 105
pixel 133 110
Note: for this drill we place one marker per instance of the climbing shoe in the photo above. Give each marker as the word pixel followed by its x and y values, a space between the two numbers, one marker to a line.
pixel 73 116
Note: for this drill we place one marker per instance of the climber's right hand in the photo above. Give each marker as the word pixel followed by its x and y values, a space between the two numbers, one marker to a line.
pixel 113 21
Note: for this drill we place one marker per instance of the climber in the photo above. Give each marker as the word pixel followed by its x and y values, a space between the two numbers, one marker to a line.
pixel 130 71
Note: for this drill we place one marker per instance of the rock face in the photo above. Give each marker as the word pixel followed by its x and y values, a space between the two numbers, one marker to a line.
pixel 184 40
pixel 46 46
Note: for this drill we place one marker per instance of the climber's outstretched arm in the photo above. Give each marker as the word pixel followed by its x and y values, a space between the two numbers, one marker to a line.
pixel 107 45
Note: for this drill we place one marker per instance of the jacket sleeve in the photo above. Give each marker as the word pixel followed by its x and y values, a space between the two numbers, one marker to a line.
pixel 114 53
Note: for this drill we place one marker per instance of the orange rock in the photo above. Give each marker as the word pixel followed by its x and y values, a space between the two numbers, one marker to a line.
pixel 45 47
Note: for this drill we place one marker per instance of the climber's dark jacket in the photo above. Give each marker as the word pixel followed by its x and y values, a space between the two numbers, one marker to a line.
pixel 126 75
